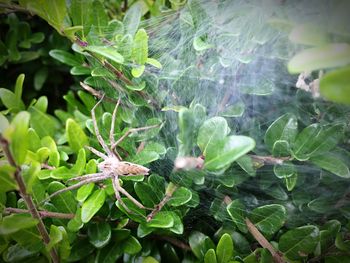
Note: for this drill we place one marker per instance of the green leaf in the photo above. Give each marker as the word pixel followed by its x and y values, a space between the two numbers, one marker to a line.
pixel 199 44
pixel 42 123
pixel 149 259
pixel 155 63
pixel 269 218
pixel 335 86
pixel 237 212
pixel 299 242
pixel 79 165
pixel 234 110
pixel 75 223
pixel 7 180
pixel 99 16
pixel 65 57
pixel 232 148
pixel 308 34
pixel 107 52
pixel 18 136
pixel 285 170
pixel 146 194
pixel 91 206
pixel 210 256
pixel 331 163
pixel 10 101
pixel 132 20
pixel 55 237
pixel 163 219
pixel 140 47
pixel 315 139
pixel 80 13
pixel 65 202
pixel 326 56
pixel 145 157
pixel 211 132
pixel 4 123
pixel 84 192
pixel 224 249
pixel 15 222
pixel 284 128
pixel 99 234
pixel 19 88
pixel 75 135
pixel 110 253
pixel 200 244
pixel 180 197
pixel 138 71
pixel 16 253
pixel 131 246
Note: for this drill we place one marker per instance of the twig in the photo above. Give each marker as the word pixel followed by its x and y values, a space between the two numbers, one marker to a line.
pixel 43 214
pixel 168 194
pixel 270 159
pixel 264 242
pixel 174 241
pixel 27 198
pixel 98 94
pixel 10 8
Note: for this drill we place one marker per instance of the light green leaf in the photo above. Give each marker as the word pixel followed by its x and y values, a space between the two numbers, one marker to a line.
pixel 4 123
pixel 7 180
pixel 199 44
pixel 210 256
pixel 91 206
pixel 80 13
pixel 140 47
pixel 162 219
pixel 211 132
pixel 327 56
pixel 131 246
pixel 138 71
pixel 223 154
pixel 55 236
pixel 200 244
pixel 15 222
pixel 107 52
pixel 335 86
pixel 84 192
pixel 132 19
pixel 19 88
pixel 155 63
pixel 65 202
pixel 180 197
pixel 224 249
pixel 309 34
pixel 10 100
pixel 99 16
pixel 75 135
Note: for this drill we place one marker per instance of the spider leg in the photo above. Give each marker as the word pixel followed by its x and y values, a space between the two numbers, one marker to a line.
pixel 98 153
pixel 131 198
pixel 97 178
pixel 131 131
pixel 85 177
pixel 116 186
pixel 97 132
pixel 111 132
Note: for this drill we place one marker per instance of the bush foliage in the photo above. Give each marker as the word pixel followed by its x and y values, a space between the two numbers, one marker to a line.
pixel 227 184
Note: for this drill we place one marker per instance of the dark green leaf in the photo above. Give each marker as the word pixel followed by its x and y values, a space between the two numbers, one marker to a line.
pixel 331 163
pixel 200 244
pixel 180 197
pixel 99 234
pixel 238 213
pixel 131 246
pixel 15 222
pixel 299 242
pixel 65 57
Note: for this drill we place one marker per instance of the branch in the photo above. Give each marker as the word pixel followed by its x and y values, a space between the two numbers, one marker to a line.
pixel 263 241
pixel 173 241
pixel 43 214
pixel 270 159
pixel 27 198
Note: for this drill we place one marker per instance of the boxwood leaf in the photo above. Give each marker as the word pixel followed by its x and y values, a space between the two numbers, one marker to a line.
pixel 65 57
pixel 75 135
pixel 335 85
pixel 200 244
pixel 107 52
pixel 146 194
pixel 210 256
pixel 140 47
pixel 325 56
pixel 163 219
pixel 331 163
pixel 55 236
pixel 237 212
pixel 269 218
pixel 309 34
pixel 131 246
pixel 180 197
pixel 232 148
pixel 7 180
pixel 99 234
pixel 284 128
pixel 299 242
pixel 91 206
pixel 64 202
pixel 224 249
pixel 15 222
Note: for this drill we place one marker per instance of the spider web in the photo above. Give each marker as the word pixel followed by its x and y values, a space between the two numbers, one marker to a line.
pixel 231 57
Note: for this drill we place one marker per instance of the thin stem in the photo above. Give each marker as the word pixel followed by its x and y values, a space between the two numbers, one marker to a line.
pixel 174 241
pixel 27 198
pixel 98 94
pixel 264 242
pixel 270 159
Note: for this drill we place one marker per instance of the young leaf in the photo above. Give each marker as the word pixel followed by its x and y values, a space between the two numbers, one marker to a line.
pixel 91 206
pixel 224 249
pixel 65 202
pixel 132 20
pixel 107 52
pixel 140 47
pixel 75 135
pixel 210 256
pixel 200 244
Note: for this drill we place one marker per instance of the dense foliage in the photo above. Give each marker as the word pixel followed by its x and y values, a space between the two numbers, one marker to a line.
pixel 249 163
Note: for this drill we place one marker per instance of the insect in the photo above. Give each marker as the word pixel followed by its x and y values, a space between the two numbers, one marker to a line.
pixel 112 165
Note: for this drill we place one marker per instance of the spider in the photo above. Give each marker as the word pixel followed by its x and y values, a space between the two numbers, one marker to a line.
pixel 112 165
